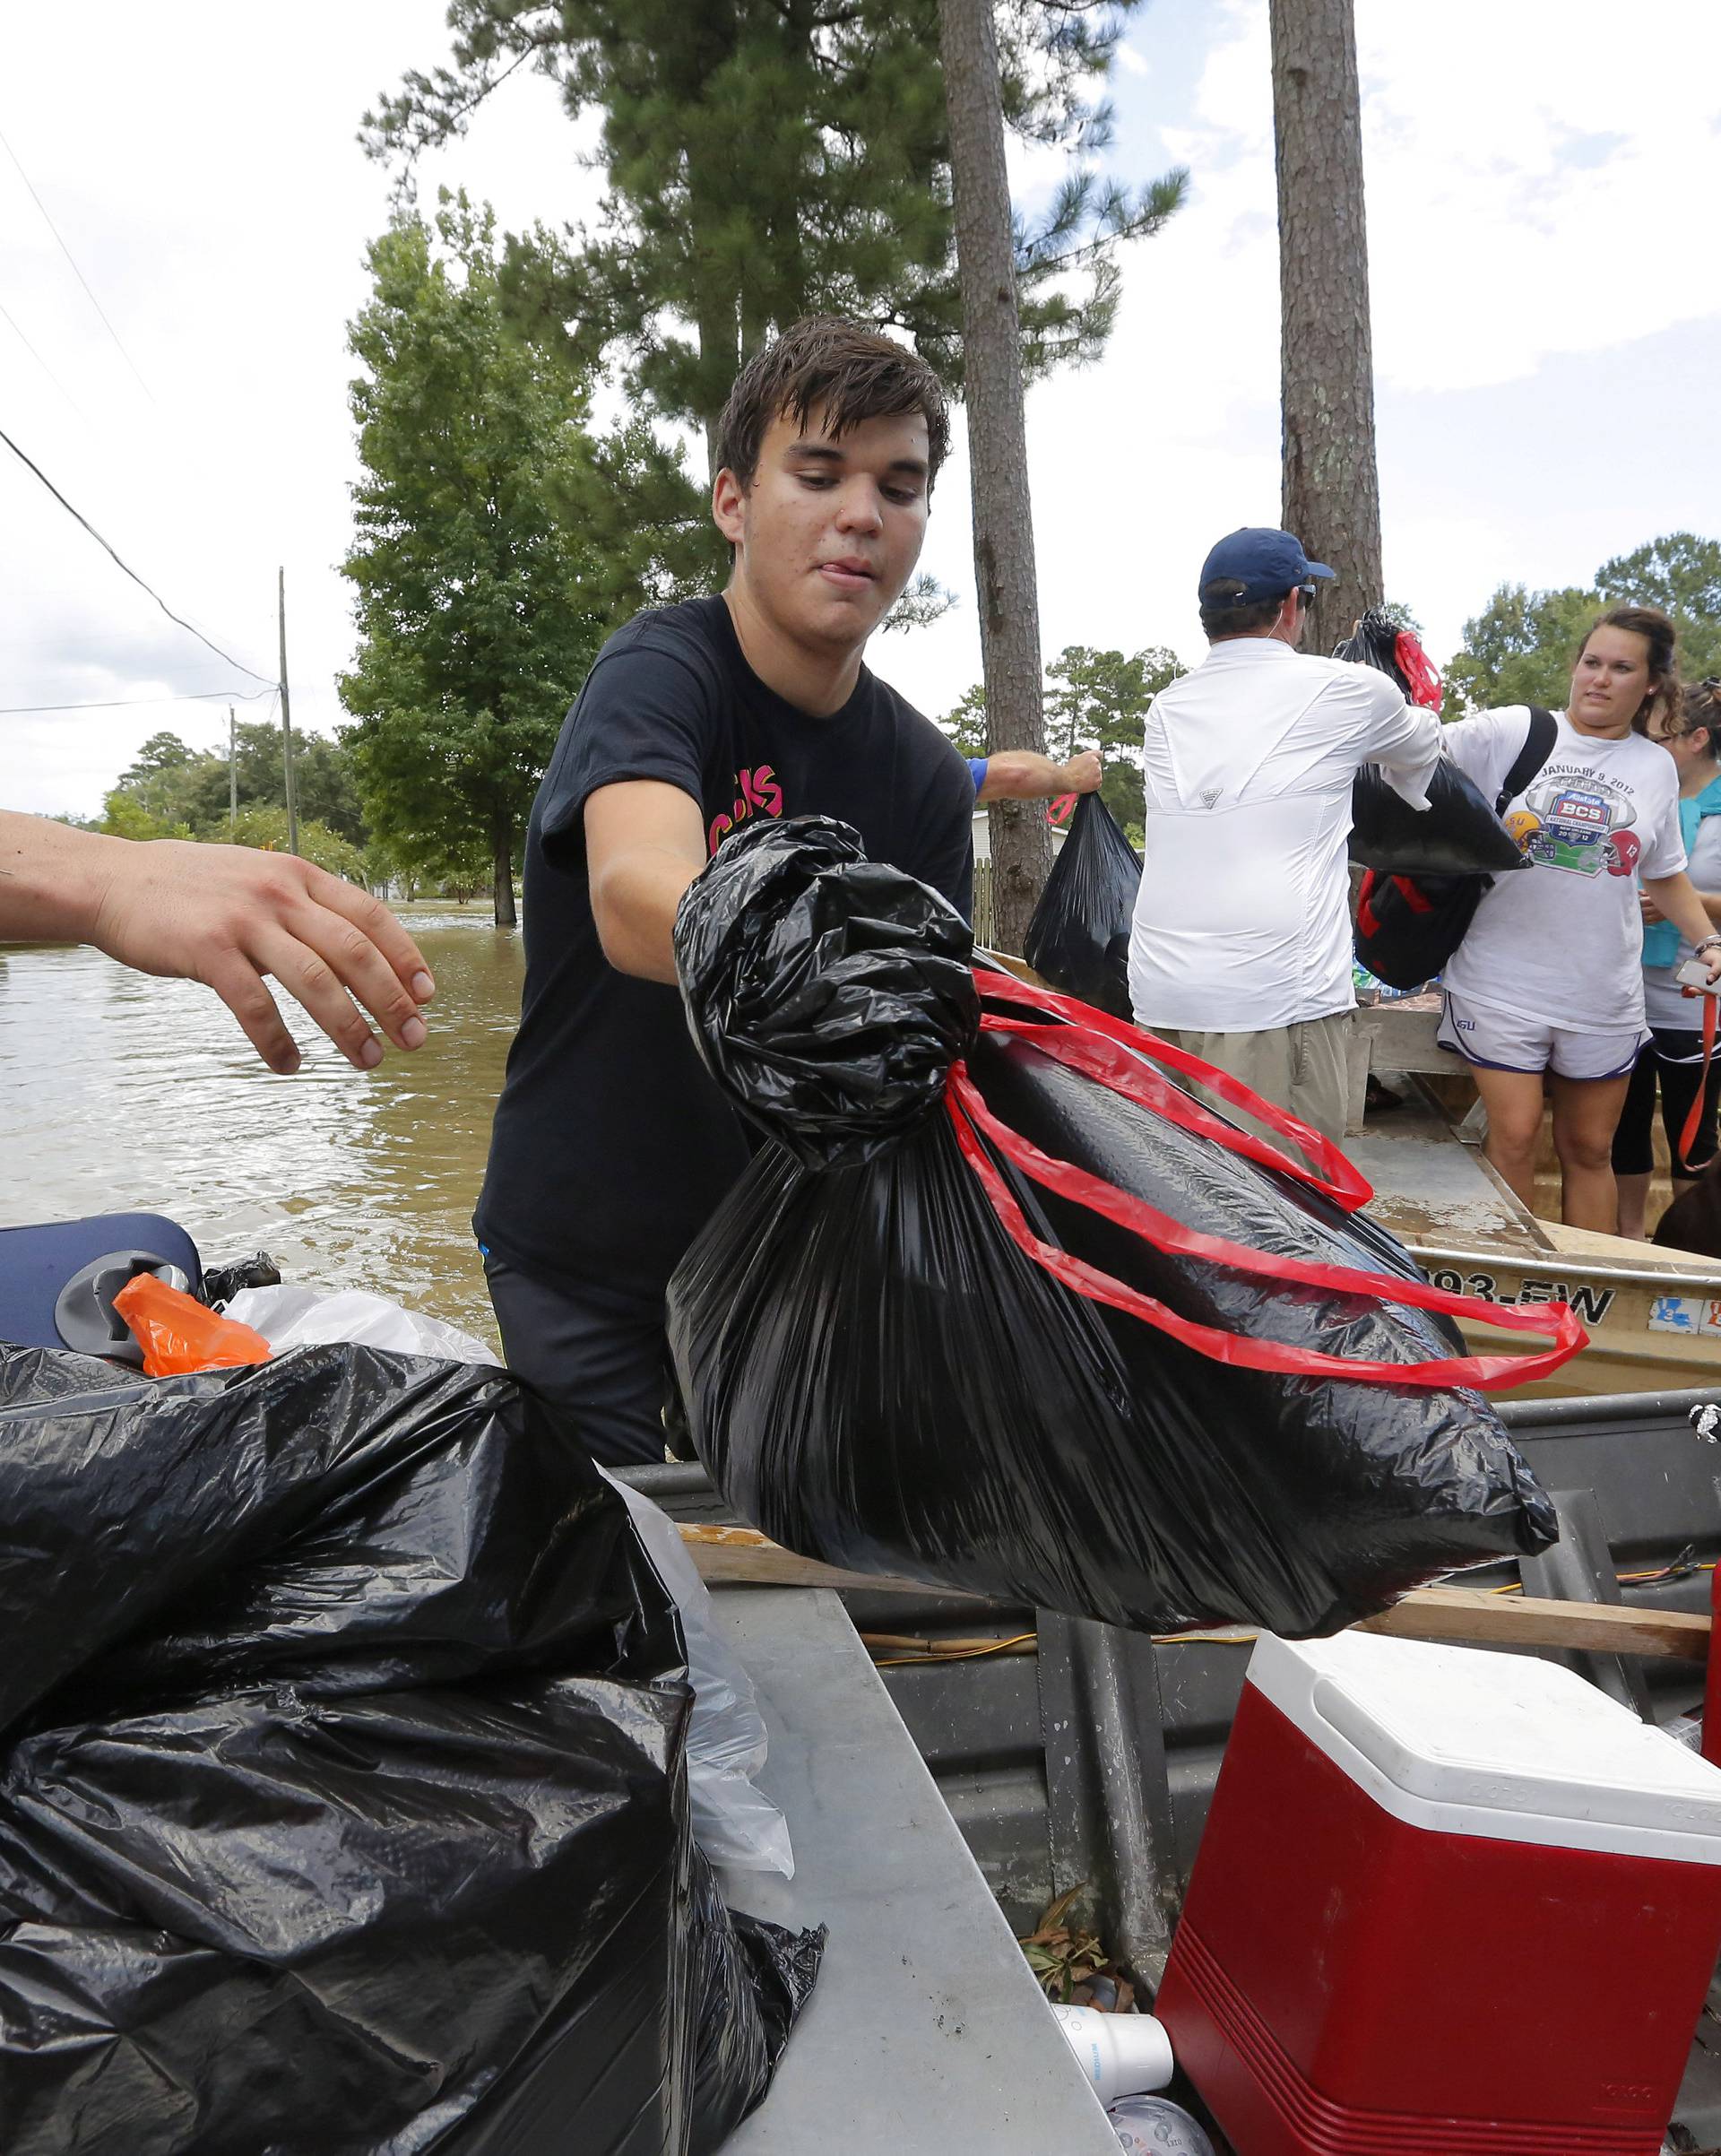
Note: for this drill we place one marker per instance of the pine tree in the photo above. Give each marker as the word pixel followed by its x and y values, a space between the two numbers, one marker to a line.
pixel 1332 490
pixel 771 159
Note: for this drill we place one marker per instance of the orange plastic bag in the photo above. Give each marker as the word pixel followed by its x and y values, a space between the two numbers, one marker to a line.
pixel 179 1334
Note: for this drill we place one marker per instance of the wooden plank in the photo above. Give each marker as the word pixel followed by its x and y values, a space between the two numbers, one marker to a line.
pixel 740 1557
pixel 1458 1615
pixel 1470 1616
pixel 1404 1040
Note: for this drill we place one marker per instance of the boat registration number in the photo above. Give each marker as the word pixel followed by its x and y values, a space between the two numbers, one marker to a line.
pixel 1592 1304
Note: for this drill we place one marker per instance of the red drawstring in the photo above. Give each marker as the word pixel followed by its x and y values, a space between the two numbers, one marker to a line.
pixel 1102 1061
pixel 1687 1136
pixel 1126 1074
pixel 1418 669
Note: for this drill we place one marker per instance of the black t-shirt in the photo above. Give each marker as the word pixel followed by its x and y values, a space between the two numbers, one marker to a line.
pixel 611 1145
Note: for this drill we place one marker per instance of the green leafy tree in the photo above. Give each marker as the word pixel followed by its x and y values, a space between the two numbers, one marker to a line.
pixel 481 597
pixel 125 814
pixel 1681 574
pixel 266 829
pixel 771 159
pixel 157 785
pixel 966 724
pixel 1099 699
pixel 1520 648
pixel 323 780
pixel 177 786
pixel 1094 699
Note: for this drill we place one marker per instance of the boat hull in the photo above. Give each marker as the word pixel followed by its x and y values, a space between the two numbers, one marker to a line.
pixel 1652 1328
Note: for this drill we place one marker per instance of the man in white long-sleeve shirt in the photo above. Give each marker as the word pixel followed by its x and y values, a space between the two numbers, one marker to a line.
pixel 1241 947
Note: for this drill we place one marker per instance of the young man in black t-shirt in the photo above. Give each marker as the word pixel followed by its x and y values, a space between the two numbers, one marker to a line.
pixel 611 1145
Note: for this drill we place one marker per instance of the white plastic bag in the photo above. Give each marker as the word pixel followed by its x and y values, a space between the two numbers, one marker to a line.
pixel 732 1822
pixel 301 1317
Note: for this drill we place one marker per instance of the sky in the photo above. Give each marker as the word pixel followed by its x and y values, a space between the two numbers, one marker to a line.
pixel 1542 191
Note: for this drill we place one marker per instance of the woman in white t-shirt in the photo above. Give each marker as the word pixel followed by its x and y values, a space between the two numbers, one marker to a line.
pixel 1546 989
pixel 1672 1063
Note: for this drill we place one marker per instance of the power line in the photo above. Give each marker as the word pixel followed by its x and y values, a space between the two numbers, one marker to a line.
pixel 198 696
pixel 77 273
pixel 17 330
pixel 179 621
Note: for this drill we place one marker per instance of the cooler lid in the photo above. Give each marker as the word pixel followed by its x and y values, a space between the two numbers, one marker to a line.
pixel 1463 1740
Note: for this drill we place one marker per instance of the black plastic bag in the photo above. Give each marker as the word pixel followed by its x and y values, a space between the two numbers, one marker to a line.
pixel 1458 833
pixel 877 1375
pixel 1078 939
pixel 343 1802
pixel 753 1979
pixel 812 943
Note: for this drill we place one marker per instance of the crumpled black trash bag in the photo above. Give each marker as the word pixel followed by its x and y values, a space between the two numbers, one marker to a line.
pixel 771 1971
pixel 781 956
pixel 1078 939
pixel 876 1376
pixel 343 1802
pixel 1457 834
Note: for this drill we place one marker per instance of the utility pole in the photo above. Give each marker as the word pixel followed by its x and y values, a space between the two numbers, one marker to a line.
pixel 232 776
pixel 287 726
pixel 1332 492
pixel 998 448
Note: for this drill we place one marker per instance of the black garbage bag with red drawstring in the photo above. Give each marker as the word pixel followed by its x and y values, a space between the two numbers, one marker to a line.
pixel 1458 833
pixel 1079 938
pixel 1004 1309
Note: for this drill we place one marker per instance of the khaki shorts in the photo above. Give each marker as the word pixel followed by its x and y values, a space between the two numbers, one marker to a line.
pixel 1301 1067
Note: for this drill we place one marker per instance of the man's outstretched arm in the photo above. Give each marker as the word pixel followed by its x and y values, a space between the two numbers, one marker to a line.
pixel 227 916
pixel 644 843
pixel 1018 775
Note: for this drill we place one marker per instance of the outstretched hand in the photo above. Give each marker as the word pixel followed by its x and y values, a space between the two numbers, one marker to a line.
pixel 229 916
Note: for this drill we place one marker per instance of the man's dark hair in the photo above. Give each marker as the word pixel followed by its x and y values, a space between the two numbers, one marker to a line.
pixel 1225 613
pixel 840 371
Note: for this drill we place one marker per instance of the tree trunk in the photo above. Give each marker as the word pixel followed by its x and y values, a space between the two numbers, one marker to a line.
pixel 997 449
pixel 502 871
pixel 1332 488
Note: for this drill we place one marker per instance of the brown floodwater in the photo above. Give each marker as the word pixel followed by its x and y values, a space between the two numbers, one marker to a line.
pixel 123 1093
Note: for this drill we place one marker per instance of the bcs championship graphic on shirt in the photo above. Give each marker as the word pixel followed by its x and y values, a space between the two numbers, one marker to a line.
pixel 1573 819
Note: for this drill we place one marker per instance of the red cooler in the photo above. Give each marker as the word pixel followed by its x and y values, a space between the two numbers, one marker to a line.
pixel 1448 1903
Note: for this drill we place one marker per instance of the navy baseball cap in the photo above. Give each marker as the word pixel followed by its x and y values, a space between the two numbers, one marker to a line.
pixel 1267 563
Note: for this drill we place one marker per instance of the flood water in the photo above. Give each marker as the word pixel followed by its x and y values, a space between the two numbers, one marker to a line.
pixel 123 1093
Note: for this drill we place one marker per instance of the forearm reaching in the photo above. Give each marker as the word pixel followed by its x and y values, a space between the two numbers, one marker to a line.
pixel 643 846
pixel 1021 774
pixel 227 916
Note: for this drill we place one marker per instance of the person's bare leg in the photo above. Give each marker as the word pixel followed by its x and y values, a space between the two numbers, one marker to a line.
pixel 1513 1099
pixel 1585 1112
pixel 1634 1200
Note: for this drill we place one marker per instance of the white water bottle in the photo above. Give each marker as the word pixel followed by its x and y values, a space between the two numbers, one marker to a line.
pixel 1121 2054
